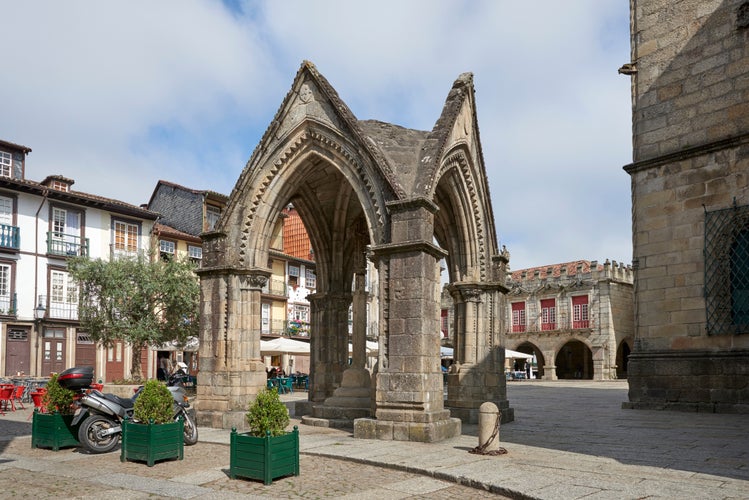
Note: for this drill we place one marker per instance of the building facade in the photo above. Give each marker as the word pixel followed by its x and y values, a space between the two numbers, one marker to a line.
pixel 690 196
pixel 575 317
pixel 42 225
pixel 186 213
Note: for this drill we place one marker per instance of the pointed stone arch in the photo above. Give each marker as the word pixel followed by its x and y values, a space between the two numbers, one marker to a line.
pixel 368 192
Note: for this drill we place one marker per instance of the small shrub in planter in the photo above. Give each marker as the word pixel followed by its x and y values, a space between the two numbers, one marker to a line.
pixel 152 434
pixel 55 429
pixel 58 398
pixel 267 451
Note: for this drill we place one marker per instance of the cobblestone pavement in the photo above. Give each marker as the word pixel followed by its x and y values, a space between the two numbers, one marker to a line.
pixel 72 473
pixel 569 440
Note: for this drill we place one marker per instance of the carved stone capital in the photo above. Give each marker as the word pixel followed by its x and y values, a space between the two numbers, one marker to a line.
pixel 253 281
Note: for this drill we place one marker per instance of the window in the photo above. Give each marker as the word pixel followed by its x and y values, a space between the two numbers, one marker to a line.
pixel 310 279
pixel 580 312
pixel 739 258
pixel 6 210
pixel 167 249
pixel 84 338
pixel 63 298
pixel 300 313
pixel 727 270
pixel 548 315
pixel 6 304
pixel 65 233
pixel 212 214
pixel 60 186
pixel 195 252
pixel 265 317
pixel 9 234
pixel 125 238
pixel 518 317
pixel 6 164
pixel 20 335
pixel 293 270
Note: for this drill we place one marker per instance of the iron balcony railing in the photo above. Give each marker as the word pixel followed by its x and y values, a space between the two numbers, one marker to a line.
pixel 559 326
pixel 10 237
pixel 8 305
pixel 66 245
pixel 286 328
pixel 59 310
pixel 275 287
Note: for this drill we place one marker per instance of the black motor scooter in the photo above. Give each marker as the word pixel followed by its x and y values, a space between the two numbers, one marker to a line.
pixel 100 415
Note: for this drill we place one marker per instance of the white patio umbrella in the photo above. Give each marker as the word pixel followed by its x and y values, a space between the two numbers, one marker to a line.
pixel 509 353
pixel 282 345
pixel 372 348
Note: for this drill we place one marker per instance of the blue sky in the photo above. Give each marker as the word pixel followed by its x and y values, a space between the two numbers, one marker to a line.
pixel 118 95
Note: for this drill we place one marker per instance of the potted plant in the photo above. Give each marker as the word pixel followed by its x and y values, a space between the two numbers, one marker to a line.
pixel 267 451
pixel 54 429
pixel 152 434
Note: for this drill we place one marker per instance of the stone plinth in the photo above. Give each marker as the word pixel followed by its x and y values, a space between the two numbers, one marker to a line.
pixel 350 401
pixel 424 432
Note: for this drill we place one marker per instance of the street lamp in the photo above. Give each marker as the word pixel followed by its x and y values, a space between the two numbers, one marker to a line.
pixel 39 312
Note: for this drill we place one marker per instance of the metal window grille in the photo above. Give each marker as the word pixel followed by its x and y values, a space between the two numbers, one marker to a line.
pixel 727 270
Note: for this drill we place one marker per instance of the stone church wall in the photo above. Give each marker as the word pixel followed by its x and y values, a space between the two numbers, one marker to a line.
pixel 691 152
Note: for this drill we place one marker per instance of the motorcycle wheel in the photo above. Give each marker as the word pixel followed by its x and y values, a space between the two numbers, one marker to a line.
pixel 88 434
pixel 191 430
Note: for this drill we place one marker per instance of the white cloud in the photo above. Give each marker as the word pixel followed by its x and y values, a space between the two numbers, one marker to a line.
pixel 118 95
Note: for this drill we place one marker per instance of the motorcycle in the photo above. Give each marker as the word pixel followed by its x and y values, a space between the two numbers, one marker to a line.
pixel 100 415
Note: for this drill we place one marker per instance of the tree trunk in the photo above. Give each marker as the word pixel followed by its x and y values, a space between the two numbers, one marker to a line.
pixel 136 372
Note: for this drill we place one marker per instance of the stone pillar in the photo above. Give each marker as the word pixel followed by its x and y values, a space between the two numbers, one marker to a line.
pixel 353 398
pixel 477 374
pixel 550 369
pixel 232 371
pixel 409 400
pixel 328 344
pixel 359 333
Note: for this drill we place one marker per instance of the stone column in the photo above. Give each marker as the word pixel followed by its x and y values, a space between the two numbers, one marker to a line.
pixel 409 400
pixel 477 374
pixel 550 369
pixel 232 371
pixel 328 343
pixel 353 398
pixel 359 333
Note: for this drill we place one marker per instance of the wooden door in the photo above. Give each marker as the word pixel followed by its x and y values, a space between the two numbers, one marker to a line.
pixel 85 351
pixel 53 350
pixel 17 352
pixel 115 363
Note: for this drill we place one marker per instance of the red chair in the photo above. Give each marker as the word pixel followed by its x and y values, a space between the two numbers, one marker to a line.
pixel 6 398
pixel 18 396
pixel 37 397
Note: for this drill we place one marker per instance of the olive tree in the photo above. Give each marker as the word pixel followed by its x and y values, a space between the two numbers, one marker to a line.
pixel 137 300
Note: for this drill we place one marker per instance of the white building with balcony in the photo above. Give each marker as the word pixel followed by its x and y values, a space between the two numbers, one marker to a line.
pixel 42 225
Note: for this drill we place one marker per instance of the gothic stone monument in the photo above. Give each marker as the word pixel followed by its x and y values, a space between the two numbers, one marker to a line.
pixel 367 191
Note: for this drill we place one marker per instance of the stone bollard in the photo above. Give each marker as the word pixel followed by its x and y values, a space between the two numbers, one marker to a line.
pixel 488 425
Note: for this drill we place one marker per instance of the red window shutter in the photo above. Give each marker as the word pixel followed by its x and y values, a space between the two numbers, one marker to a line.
pixel 580 318
pixel 548 314
pixel 518 317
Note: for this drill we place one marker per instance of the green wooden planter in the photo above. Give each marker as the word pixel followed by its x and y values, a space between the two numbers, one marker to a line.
pixel 152 442
pixel 264 458
pixel 53 430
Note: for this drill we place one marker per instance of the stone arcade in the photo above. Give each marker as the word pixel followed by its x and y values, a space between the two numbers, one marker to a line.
pixel 366 190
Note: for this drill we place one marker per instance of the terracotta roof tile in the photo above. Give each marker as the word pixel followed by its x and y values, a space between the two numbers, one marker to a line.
pixel 295 238
pixel 556 270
